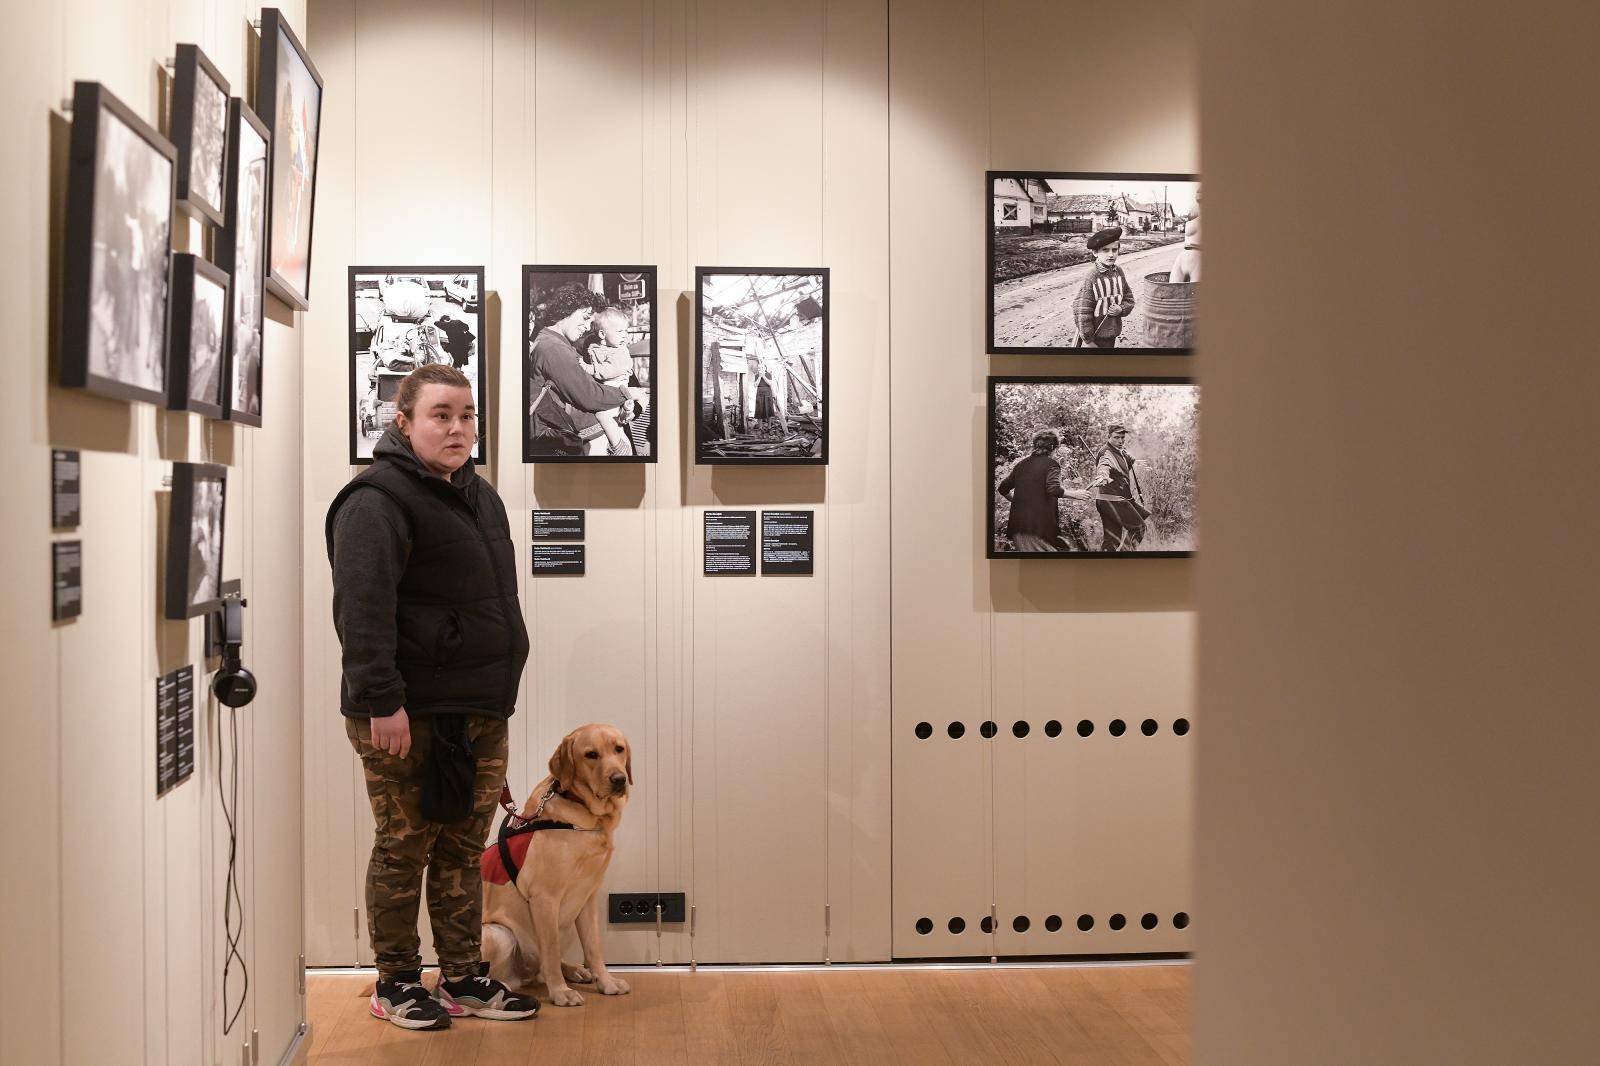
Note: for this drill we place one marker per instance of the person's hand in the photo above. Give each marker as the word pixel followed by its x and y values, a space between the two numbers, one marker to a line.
pixel 641 396
pixel 393 733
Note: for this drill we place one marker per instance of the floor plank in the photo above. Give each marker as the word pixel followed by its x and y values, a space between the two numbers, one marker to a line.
pixel 1073 1016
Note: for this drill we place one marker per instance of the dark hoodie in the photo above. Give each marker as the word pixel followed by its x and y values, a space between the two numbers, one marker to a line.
pixel 424 591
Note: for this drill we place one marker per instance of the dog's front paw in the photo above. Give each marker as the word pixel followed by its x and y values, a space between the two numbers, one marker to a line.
pixel 576 975
pixel 614 986
pixel 565 997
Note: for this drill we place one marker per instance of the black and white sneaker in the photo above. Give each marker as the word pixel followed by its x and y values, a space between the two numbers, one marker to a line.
pixel 404 1000
pixel 485 997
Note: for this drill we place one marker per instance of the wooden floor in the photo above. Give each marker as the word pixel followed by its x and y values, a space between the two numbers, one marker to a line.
pixel 1084 1016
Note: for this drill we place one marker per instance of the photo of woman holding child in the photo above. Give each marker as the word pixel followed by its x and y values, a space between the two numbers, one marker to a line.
pixel 588 385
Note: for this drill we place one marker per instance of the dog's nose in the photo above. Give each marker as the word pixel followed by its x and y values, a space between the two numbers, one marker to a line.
pixel 619 782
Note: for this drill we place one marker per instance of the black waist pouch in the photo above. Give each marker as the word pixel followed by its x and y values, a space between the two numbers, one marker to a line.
pixel 449 772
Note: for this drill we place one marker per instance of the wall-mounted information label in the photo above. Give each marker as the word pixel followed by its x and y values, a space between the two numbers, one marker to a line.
pixel 558 525
pixel 552 559
pixel 787 542
pixel 185 687
pixel 66 573
pixel 730 542
pixel 66 509
pixel 174 729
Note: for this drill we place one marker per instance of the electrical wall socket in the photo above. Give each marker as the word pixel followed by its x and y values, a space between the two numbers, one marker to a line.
pixel 639 908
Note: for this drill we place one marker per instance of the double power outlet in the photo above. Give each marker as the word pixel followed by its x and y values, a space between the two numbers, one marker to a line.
pixel 639 908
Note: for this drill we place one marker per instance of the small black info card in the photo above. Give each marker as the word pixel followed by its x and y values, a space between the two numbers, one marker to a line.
pixel 558 525
pixel 554 559
pixel 730 542
pixel 787 542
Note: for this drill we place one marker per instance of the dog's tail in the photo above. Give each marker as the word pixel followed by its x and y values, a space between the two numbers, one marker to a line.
pixel 501 951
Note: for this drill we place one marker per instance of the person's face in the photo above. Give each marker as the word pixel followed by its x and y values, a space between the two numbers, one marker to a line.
pixel 613 330
pixel 1119 438
pixel 1107 256
pixel 443 429
pixel 576 324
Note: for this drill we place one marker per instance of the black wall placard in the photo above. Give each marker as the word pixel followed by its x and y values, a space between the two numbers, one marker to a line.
pixel 553 559
pixel 558 525
pixel 730 542
pixel 66 576
pixel 185 687
pixel 166 733
pixel 787 542
pixel 66 480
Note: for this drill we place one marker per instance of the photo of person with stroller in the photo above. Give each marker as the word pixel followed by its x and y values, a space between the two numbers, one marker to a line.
pixel 1092 466
pixel 589 381
pixel 402 318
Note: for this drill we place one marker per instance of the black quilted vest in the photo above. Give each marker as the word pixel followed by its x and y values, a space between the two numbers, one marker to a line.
pixel 461 643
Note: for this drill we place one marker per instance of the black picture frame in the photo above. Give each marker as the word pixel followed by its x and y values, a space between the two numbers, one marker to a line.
pixel 281 58
pixel 131 279
pixel 1172 306
pixel 613 276
pixel 191 277
pixel 197 86
pixel 990 481
pixel 356 350
pixel 702 442
pixel 196 523
pixel 241 253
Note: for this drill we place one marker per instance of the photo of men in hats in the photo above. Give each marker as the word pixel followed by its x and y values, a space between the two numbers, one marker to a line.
pixel 1081 263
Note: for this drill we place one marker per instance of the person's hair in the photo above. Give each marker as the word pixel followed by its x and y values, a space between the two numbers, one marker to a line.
pixel 562 301
pixel 1045 441
pixel 1116 427
pixel 612 311
pixel 432 374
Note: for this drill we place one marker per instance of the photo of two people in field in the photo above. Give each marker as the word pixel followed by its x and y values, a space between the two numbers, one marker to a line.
pixel 1092 465
pixel 1087 262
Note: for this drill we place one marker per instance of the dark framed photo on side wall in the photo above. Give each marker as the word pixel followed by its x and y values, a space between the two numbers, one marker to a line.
pixel 761 369
pixel 241 252
pixel 1092 467
pixel 200 133
pixel 589 364
pixel 402 318
pixel 1092 264
pixel 289 100
pixel 117 250
pixel 199 337
pixel 194 539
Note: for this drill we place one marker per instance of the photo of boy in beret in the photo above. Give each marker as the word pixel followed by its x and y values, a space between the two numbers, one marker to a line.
pixel 1105 295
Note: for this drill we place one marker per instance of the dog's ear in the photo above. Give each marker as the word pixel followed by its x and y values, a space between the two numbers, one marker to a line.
pixel 562 766
pixel 629 766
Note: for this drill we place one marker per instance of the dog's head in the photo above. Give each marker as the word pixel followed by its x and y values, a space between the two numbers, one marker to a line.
pixel 594 761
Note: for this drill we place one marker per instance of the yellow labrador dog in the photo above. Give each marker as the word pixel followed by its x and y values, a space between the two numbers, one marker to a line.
pixel 558 884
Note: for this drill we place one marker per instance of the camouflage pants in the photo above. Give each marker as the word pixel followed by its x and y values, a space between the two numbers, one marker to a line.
pixel 405 845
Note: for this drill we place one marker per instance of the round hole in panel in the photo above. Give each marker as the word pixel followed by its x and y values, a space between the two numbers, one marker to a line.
pixel 1148 727
pixel 1117 922
pixel 1149 921
pixel 987 925
pixel 1019 729
pixel 1117 727
pixel 924 926
pixel 1180 920
pixel 1052 728
pixel 1085 727
pixel 924 730
pixel 956 730
pixel 989 729
pixel 1053 923
pixel 957 925
pixel 1020 923
pixel 1085 922
pixel 1181 727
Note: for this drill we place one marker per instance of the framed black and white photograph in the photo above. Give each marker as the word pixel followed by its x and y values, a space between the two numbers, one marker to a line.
pixel 589 364
pixel 117 247
pixel 289 99
pixel 401 318
pixel 1087 467
pixel 761 380
pixel 1088 264
pixel 199 336
pixel 200 133
pixel 241 251
pixel 194 539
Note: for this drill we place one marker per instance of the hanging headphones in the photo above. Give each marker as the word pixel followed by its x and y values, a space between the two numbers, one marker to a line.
pixel 233 685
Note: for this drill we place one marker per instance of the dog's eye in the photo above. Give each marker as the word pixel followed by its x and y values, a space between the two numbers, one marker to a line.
pixel 619 749
pixel 591 755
